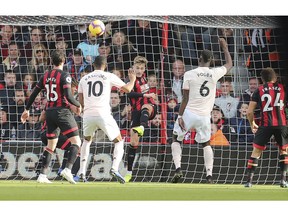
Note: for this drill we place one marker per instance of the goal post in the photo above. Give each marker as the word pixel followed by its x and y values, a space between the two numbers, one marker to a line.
pixel 162 40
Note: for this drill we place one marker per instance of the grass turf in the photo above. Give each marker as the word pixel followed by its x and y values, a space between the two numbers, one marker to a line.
pixel 108 191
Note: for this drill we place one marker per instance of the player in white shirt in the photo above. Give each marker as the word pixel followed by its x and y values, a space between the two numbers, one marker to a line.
pixel 199 90
pixel 94 95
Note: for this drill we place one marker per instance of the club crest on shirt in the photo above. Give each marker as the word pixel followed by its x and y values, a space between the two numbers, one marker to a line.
pixel 68 79
pixel 144 88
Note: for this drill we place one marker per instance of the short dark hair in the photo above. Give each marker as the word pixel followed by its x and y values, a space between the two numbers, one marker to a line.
pixel 206 55
pixel 99 61
pixel 268 74
pixel 226 79
pixel 57 57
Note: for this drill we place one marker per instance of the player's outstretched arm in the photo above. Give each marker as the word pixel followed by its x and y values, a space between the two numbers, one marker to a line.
pixel 129 86
pixel 227 55
pixel 250 116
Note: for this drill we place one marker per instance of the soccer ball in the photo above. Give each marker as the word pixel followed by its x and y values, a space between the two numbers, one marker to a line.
pixel 97 28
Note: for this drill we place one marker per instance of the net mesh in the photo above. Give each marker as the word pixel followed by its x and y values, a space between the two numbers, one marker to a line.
pixel 187 37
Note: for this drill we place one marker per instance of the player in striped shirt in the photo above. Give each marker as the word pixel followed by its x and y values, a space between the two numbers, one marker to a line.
pixel 271 99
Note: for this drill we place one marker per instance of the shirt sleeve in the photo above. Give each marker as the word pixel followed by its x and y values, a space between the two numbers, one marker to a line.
pixel 116 81
pixel 185 82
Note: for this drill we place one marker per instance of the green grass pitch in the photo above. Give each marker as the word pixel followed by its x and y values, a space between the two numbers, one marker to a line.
pixel 113 191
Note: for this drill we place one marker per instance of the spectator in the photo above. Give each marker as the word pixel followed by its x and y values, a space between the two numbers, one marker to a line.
pixel 28 84
pixel 17 107
pixel 76 65
pixel 217 136
pixel 32 128
pixel 105 50
pixel 37 104
pixel 175 83
pixel 89 48
pixel 126 117
pixel 172 113
pixel 115 106
pixel 7 93
pixel 40 61
pixel 217 117
pixel 246 96
pixel 241 126
pixel 153 84
pixel 4 124
pixel 122 50
pixel 6 37
pixel 226 102
pixel 13 62
pixel 154 132
pixel 36 36
pixel 62 44
pixel 253 85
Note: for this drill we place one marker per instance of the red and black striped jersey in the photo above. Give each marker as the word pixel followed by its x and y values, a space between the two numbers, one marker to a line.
pixel 271 100
pixel 137 100
pixel 54 82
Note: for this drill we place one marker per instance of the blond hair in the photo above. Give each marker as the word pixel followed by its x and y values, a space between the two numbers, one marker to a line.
pixel 140 60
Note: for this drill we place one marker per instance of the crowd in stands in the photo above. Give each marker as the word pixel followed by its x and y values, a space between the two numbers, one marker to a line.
pixel 25 56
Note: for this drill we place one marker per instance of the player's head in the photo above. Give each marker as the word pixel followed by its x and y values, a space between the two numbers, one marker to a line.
pixel 100 63
pixel 139 65
pixel 58 57
pixel 206 57
pixel 268 75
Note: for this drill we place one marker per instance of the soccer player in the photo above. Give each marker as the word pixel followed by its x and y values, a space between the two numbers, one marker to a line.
pixel 63 141
pixel 143 109
pixel 271 99
pixel 199 89
pixel 94 95
pixel 57 85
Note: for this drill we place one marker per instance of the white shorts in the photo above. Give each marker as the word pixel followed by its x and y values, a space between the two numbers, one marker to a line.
pixel 201 124
pixel 107 124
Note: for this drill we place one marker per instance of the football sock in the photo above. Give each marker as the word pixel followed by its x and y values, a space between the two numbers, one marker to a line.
pixel 85 149
pixel 117 154
pixel 64 161
pixel 251 167
pixel 144 117
pixel 76 166
pixel 131 157
pixel 176 154
pixel 46 158
pixel 208 159
pixel 283 165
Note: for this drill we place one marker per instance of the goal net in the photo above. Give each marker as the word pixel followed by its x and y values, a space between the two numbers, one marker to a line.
pixel 172 46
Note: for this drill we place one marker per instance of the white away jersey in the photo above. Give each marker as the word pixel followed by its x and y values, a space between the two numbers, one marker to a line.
pixel 201 83
pixel 96 89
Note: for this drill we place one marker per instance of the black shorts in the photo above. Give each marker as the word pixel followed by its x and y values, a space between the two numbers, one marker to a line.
pixel 135 122
pixel 61 120
pixel 63 141
pixel 263 135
